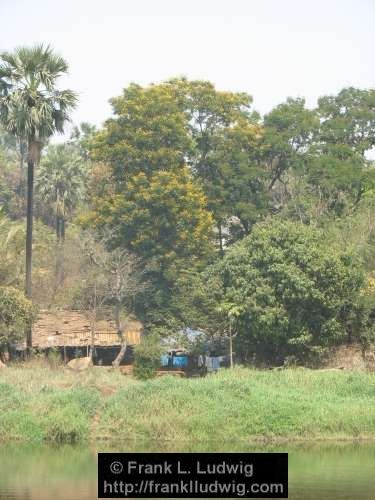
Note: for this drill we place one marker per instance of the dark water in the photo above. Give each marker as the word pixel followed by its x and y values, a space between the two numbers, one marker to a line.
pixel 316 472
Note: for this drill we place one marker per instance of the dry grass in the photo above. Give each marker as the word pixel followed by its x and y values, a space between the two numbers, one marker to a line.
pixel 37 374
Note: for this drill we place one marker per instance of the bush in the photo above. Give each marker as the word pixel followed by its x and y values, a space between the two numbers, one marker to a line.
pixel 54 358
pixel 16 313
pixel 290 292
pixel 147 357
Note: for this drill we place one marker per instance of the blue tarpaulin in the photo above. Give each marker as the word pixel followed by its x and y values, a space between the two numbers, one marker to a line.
pixel 180 361
pixel 164 360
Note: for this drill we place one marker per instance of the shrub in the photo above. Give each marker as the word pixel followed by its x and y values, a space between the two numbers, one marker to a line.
pixel 54 358
pixel 147 357
pixel 16 313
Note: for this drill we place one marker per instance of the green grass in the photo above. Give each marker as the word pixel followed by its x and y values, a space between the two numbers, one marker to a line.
pixel 38 403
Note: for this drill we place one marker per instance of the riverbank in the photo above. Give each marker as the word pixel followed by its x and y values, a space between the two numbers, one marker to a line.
pixel 43 404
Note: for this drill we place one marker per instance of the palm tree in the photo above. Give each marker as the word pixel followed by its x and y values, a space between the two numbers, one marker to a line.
pixel 60 184
pixel 33 109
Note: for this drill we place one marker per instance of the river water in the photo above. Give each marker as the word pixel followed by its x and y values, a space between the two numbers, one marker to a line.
pixel 340 471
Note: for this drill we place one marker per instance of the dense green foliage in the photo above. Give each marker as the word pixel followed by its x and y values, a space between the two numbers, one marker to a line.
pixel 147 357
pixel 305 165
pixel 291 294
pixel 16 313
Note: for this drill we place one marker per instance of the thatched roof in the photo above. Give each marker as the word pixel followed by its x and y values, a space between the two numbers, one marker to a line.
pixel 72 328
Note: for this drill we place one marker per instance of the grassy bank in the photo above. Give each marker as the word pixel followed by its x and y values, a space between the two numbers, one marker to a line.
pixel 38 403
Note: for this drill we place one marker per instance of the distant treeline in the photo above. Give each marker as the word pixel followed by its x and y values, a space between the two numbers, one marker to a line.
pixel 189 209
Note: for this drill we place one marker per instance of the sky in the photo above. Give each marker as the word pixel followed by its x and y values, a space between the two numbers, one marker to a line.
pixel 268 48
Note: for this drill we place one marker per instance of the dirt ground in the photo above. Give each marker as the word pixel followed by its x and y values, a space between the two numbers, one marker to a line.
pixel 352 357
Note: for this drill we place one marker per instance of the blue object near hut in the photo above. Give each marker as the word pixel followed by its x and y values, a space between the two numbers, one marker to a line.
pixel 179 361
pixel 164 360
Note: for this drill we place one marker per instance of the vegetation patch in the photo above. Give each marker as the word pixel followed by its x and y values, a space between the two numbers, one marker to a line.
pixel 233 405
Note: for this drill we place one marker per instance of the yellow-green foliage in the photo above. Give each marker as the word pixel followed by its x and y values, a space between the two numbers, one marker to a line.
pixel 163 216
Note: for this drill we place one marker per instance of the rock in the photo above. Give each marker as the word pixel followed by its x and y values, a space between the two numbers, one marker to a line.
pixel 80 364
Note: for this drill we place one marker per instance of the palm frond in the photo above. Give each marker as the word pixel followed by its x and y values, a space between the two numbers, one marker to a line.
pixel 30 106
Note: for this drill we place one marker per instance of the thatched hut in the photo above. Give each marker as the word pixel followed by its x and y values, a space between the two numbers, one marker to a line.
pixel 70 333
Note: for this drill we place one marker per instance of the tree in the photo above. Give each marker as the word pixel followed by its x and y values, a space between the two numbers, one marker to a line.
pixel 16 314
pixel 292 295
pixel 317 159
pixel 81 138
pixel 149 133
pixel 181 123
pixel 60 184
pixel 224 132
pixel 240 187
pixel 162 220
pixel 339 169
pixel 125 283
pixel 349 119
pixel 33 109
pixel 112 279
pixel 289 131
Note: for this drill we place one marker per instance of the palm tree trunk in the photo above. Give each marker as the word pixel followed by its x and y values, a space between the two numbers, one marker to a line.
pixel 60 242
pixel 62 252
pixel 29 238
pixel 57 222
pixel 29 225
pixel 33 155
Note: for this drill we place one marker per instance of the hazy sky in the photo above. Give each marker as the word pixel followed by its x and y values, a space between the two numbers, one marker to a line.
pixel 269 48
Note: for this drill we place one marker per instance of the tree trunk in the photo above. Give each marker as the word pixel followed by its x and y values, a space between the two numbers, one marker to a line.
pixel 29 225
pixel 2 357
pixel 33 156
pixel 57 256
pixel 120 356
pixel 92 342
pixel 230 344
pixel 221 247
pixel 93 326
pixel 29 239
pixel 62 262
pixel 60 237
